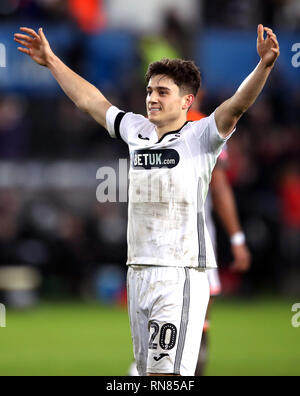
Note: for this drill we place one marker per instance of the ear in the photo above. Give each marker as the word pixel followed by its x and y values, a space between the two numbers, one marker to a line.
pixel 188 101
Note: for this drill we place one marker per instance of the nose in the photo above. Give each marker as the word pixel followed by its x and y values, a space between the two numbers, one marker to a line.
pixel 152 97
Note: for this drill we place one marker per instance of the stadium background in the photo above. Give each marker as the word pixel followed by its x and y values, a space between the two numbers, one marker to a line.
pixel 62 253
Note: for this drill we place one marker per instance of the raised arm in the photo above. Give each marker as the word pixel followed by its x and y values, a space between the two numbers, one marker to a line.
pixel 228 114
pixel 85 95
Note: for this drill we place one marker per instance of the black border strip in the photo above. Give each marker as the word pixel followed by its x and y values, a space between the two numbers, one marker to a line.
pixel 117 124
pixel 184 321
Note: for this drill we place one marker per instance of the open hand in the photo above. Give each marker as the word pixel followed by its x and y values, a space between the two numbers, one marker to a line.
pixel 36 45
pixel 268 49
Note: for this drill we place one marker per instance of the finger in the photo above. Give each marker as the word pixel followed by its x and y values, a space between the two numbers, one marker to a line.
pixel 273 37
pixel 268 29
pixel 29 31
pixel 24 50
pixel 260 33
pixel 22 42
pixel 276 51
pixel 270 34
pixel 23 37
pixel 42 36
pixel 275 42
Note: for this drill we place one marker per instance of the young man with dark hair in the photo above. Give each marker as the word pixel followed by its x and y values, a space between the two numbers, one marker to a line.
pixel 184 74
pixel 172 160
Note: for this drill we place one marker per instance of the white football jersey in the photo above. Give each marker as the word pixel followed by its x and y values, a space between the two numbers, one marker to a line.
pixel 168 183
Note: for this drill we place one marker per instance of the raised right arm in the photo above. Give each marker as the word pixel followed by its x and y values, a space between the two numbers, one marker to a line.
pixel 85 95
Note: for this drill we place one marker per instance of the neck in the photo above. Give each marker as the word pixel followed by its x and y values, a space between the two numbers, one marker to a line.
pixel 169 127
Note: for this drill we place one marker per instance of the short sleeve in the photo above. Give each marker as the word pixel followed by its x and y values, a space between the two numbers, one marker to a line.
pixel 209 136
pixel 122 125
pixel 114 117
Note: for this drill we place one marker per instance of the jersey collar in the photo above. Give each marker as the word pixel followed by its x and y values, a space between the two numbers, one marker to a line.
pixel 171 132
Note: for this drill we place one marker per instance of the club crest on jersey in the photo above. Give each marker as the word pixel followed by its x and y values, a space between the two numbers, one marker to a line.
pixel 149 159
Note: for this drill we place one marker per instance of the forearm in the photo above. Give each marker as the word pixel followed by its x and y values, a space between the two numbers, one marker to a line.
pixel 85 95
pixel 228 114
pixel 249 90
pixel 224 202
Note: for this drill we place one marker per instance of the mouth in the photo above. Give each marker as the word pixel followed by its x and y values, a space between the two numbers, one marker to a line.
pixel 154 110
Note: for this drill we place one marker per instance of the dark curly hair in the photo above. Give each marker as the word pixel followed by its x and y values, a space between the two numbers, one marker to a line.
pixel 184 73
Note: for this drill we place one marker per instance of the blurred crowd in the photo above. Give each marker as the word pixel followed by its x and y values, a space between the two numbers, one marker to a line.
pixel 247 13
pixel 93 15
pixel 68 240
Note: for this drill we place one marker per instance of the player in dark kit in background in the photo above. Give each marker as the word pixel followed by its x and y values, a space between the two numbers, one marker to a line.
pixel 169 249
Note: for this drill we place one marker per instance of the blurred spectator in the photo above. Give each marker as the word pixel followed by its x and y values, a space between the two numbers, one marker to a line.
pixel 14 127
pixel 287 14
pixel 74 253
pixel 110 228
pixel 289 187
pixel 154 48
pixel 9 234
pixel 248 13
pixel 23 257
pixel 172 42
pixel 19 244
pixel 39 10
pixel 78 136
pixel 10 202
pixel 232 13
pixel 123 14
pixel 289 190
pixel 89 14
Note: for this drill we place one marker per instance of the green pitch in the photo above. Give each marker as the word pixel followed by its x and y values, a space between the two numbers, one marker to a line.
pixel 247 338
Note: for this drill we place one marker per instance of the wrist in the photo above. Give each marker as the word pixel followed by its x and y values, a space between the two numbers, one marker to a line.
pixel 267 65
pixel 238 239
pixel 50 60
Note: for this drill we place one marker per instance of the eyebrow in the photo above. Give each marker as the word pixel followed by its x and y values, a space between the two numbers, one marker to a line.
pixel 159 87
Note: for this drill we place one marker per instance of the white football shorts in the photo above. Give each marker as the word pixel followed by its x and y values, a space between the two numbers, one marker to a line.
pixel 167 308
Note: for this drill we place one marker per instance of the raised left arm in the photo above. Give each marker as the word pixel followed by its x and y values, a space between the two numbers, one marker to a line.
pixel 228 114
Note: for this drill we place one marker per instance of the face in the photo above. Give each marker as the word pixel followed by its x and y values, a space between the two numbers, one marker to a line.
pixel 165 104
